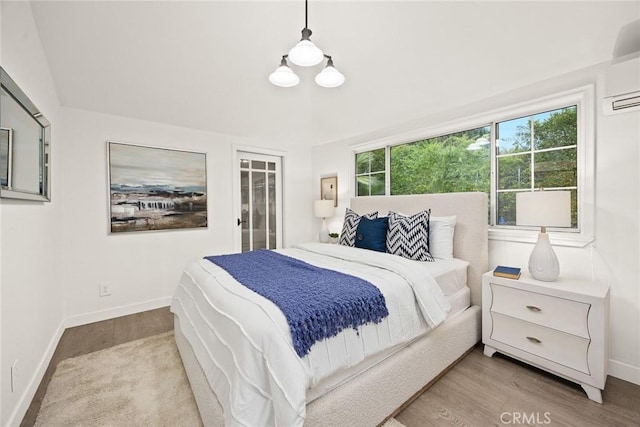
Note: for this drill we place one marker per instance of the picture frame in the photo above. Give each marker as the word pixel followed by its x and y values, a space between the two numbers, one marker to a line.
pixel 154 188
pixel 329 189
pixel 6 150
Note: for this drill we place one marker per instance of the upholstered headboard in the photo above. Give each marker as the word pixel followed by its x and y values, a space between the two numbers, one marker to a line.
pixel 470 241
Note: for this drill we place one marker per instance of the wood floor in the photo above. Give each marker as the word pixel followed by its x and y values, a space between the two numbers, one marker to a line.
pixel 498 391
pixel 478 391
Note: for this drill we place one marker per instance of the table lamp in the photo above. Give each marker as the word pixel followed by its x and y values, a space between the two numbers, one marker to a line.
pixel 544 209
pixel 323 209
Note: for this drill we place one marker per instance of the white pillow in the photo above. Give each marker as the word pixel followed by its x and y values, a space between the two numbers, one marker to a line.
pixel 441 229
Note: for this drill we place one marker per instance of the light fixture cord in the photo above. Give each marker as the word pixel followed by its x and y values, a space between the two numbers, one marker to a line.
pixel 306 25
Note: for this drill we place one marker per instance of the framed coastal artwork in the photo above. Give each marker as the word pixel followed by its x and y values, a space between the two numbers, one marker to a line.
pixel 329 189
pixel 153 188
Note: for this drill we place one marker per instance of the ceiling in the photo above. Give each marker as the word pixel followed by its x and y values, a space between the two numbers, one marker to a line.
pixel 205 64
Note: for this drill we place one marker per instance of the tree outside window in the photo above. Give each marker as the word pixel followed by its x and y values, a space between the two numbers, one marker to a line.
pixel 370 173
pixel 531 152
pixel 444 164
pixel 536 152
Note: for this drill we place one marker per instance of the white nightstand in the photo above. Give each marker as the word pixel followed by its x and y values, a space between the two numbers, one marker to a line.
pixel 561 327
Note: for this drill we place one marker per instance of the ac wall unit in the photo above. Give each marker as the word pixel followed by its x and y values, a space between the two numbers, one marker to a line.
pixel 622 85
pixel 622 103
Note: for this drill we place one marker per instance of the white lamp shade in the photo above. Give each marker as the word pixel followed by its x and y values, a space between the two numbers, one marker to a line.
pixel 544 208
pixel 323 208
pixel 306 54
pixel 283 76
pixel 330 77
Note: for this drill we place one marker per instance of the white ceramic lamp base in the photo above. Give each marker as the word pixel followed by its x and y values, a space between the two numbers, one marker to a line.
pixel 543 262
pixel 323 236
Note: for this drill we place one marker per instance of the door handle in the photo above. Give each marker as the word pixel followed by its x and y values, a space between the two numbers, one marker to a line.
pixel 241 222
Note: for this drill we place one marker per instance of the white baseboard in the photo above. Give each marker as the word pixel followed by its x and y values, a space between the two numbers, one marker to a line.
pixel 624 371
pixel 110 313
pixel 82 319
pixel 32 386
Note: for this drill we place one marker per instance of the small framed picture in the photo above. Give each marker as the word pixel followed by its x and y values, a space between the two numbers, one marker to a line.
pixel 329 189
pixel 6 148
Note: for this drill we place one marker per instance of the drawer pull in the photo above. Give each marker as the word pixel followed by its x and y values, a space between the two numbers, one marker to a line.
pixel 534 308
pixel 534 339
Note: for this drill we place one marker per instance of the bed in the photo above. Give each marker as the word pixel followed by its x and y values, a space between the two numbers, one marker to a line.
pixel 375 388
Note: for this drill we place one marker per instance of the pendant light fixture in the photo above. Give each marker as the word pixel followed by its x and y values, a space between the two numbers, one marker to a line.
pixel 283 76
pixel 306 54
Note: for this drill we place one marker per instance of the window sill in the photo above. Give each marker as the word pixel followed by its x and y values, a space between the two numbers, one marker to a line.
pixel 576 240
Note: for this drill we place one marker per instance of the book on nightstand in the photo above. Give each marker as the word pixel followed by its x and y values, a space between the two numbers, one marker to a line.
pixel 508 272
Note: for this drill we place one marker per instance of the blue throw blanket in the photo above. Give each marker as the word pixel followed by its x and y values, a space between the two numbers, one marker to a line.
pixel 318 303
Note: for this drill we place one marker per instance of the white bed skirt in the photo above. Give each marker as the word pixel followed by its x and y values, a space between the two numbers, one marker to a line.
pixel 372 396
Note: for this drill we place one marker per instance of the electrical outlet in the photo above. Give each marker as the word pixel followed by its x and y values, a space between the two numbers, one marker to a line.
pixel 104 289
pixel 14 375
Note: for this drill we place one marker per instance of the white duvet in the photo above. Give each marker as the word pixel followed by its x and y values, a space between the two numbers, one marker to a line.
pixel 243 344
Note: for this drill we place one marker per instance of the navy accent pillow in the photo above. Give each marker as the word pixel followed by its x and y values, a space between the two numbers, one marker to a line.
pixel 372 234
pixel 351 221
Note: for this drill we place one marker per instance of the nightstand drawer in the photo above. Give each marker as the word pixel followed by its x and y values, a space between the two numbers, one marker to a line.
pixel 558 347
pixel 556 313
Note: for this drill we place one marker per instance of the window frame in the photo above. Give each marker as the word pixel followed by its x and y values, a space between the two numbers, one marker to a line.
pixel 582 97
pixel 370 173
pixel 532 152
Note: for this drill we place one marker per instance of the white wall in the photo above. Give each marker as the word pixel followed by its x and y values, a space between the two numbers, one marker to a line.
pixel 143 268
pixel 54 255
pixel 617 246
pixel 613 257
pixel 1 365
pixel 31 302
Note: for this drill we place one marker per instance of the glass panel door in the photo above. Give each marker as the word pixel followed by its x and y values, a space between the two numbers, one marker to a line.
pixel 259 220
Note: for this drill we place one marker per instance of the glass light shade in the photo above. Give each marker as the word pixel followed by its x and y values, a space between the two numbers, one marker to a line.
pixel 330 77
pixel 306 54
pixel 283 76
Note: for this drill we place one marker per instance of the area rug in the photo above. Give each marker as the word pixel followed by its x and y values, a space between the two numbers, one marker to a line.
pixel 139 383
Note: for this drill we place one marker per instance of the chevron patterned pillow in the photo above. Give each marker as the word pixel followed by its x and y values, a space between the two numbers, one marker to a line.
pixel 351 221
pixel 408 236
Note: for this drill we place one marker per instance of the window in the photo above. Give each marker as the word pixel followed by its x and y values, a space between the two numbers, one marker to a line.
pixel 538 151
pixel 370 173
pixel 547 143
pixel 445 164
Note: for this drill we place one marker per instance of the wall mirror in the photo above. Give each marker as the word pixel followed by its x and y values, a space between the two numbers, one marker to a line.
pixel 25 144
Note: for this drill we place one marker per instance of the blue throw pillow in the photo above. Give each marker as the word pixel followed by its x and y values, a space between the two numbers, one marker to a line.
pixel 372 234
pixel 351 221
